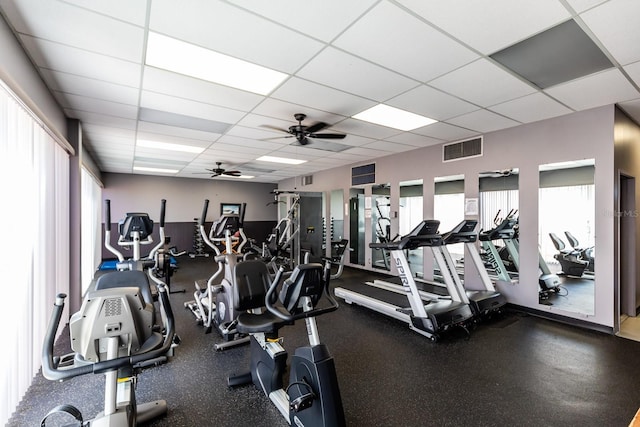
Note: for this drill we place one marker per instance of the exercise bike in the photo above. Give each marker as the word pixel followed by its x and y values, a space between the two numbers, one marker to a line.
pixel 312 397
pixel 114 333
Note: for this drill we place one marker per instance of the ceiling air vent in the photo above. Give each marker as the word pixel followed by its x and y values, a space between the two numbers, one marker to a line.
pixel 462 149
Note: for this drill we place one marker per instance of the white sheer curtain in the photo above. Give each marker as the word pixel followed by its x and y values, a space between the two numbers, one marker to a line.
pixel 91 222
pixel 34 219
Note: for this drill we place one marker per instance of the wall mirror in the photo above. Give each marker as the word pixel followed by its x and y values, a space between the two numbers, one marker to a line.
pixel 498 209
pixel 336 216
pixel 356 226
pixel 448 208
pixel 566 235
pixel 312 223
pixel 381 224
pixel 410 214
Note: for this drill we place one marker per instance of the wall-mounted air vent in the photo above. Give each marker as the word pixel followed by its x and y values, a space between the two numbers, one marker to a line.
pixel 462 149
pixel 363 174
pixel 307 180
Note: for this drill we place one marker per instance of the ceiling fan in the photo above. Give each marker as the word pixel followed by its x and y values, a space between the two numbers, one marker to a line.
pixel 219 171
pixel 302 132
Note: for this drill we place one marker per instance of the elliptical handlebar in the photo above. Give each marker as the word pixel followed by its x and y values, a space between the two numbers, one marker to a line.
pixel 163 204
pixel 107 231
pixel 203 217
pixel 50 364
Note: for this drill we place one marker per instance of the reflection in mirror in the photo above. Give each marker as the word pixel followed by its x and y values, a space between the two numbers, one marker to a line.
pixel 381 224
pixel 448 208
pixel 336 225
pixel 498 216
pixel 410 215
pixel 566 235
pixel 312 223
pixel 356 226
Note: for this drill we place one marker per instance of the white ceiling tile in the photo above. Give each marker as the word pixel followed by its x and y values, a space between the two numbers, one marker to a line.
pixel 483 121
pixel 82 63
pixel 284 111
pixel 403 43
pixel 445 132
pixel 607 87
pixel 83 86
pixel 581 5
pixel 356 75
pixel 329 17
pixel 181 86
pixel 634 72
pixel 490 26
pixel 264 146
pixel 161 102
pixel 632 108
pixel 230 30
pixel 102 119
pixel 531 108
pixel 358 127
pixel 482 83
pixel 179 132
pixel 414 140
pixel 304 92
pixel 391 147
pixel 431 103
pixel 93 105
pixel 63 23
pixel 155 154
pixel 615 24
pixel 125 10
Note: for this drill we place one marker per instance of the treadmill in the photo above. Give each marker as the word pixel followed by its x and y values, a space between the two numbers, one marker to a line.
pixel 487 300
pixel 506 232
pixel 429 319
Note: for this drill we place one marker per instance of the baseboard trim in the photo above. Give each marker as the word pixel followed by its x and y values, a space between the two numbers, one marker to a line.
pixel 562 319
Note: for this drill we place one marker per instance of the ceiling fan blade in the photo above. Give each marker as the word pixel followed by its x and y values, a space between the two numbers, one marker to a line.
pixel 316 127
pixel 327 135
pixel 275 137
pixel 275 128
pixel 232 173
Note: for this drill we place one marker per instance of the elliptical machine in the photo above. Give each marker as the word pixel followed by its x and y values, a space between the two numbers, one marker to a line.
pixel 116 332
pixel 312 397
pixel 570 261
pixel 212 305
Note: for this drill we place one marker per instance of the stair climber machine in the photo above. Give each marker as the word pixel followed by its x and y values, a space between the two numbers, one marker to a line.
pixel 487 300
pixel 118 332
pixel 428 318
pixel 312 397
pixel 569 259
pixel 213 305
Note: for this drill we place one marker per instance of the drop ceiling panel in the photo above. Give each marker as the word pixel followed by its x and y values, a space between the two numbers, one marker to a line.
pixel 180 132
pixel 482 83
pixel 60 22
pixel 615 24
pixel 102 120
pixel 304 92
pixel 389 146
pixel 483 121
pixel 432 103
pixel 83 86
pixel 283 113
pixel 330 17
pixel 445 132
pixel 634 72
pixel 531 108
pixel 415 140
pixel 93 105
pixel 124 10
pixel 161 102
pixel 368 130
pixel 599 89
pixel 582 5
pixel 356 76
pixel 151 153
pixel 181 86
pixel 386 27
pixel 230 30
pixel 80 62
pixel 490 26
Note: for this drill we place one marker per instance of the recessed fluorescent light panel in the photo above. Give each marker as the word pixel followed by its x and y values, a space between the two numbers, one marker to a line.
pixel 242 176
pixel 155 170
pixel 394 118
pixel 195 61
pixel 281 160
pixel 169 146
